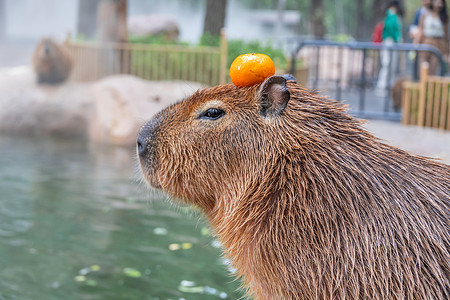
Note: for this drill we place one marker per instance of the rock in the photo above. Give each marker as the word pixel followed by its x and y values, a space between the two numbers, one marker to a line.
pixel 153 25
pixel 111 110
pixel 44 110
pixel 123 103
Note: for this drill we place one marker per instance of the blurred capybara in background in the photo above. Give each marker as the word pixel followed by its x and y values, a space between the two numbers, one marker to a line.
pixel 51 62
pixel 307 204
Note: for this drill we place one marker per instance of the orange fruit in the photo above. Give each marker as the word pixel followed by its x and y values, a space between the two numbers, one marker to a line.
pixel 251 68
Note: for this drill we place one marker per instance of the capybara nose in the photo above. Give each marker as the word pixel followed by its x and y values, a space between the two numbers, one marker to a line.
pixel 141 145
pixel 146 138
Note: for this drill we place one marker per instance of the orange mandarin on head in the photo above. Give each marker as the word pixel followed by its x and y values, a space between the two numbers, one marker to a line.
pixel 251 68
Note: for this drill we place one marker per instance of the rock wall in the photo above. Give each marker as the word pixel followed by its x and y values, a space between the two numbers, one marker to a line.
pixel 109 111
pixel 29 109
pixel 123 103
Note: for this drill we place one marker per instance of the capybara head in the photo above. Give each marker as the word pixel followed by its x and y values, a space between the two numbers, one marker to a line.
pixel 46 49
pixel 307 204
pixel 215 142
pixel 51 62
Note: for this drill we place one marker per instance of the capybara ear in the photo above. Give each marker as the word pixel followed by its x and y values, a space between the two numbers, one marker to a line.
pixel 273 96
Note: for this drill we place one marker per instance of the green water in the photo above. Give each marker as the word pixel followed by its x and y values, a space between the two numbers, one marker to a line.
pixel 75 223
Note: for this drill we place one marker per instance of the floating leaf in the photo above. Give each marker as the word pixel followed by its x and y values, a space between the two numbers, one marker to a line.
pixel 191 289
pixel 84 271
pixel 95 268
pixel 216 244
pixel 210 290
pixel 187 283
pixel 130 199
pixel 205 231
pixel 91 282
pixel 130 272
pixel 187 286
pixel 186 246
pixel 80 278
pixel 174 247
pixel 160 231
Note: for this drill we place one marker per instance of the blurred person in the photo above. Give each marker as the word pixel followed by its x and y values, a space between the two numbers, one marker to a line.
pixel 414 27
pixel 433 30
pixel 414 34
pixel 377 35
pixel 392 33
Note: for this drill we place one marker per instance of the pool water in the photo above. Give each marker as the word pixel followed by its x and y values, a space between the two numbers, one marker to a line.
pixel 76 223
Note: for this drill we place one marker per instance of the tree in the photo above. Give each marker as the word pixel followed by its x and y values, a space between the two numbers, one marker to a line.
pixel 112 28
pixel 87 18
pixel 318 19
pixel 112 21
pixel 214 17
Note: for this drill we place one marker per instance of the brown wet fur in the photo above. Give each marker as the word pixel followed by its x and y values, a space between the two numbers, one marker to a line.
pixel 51 62
pixel 307 204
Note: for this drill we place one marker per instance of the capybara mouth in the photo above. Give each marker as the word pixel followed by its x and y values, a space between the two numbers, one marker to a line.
pixel 147 168
pixel 151 179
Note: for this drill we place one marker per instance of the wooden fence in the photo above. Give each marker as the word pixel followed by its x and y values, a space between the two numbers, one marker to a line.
pixel 93 61
pixel 427 102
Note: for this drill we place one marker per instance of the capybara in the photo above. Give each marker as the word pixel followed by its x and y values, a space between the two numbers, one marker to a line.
pixel 51 63
pixel 307 203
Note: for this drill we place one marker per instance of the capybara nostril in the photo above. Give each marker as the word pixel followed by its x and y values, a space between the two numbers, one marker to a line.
pixel 146 138
pixel 141 145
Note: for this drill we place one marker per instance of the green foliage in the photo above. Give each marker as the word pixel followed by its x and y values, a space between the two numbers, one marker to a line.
pixel 341 37
pixel 235 48
pixel 272 4
pixel 167 64
pixel 80 37
pixel 163 64
pixel 154 40
pixel 208 39
pixel 238 47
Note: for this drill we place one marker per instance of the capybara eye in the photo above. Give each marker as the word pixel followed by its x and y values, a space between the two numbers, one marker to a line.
pixel 212 114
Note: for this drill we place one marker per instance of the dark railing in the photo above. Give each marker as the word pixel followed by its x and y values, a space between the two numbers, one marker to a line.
pixel 353 77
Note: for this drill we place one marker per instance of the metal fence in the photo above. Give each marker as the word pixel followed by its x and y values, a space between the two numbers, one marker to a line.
pixel 350 71
pixel 93 61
